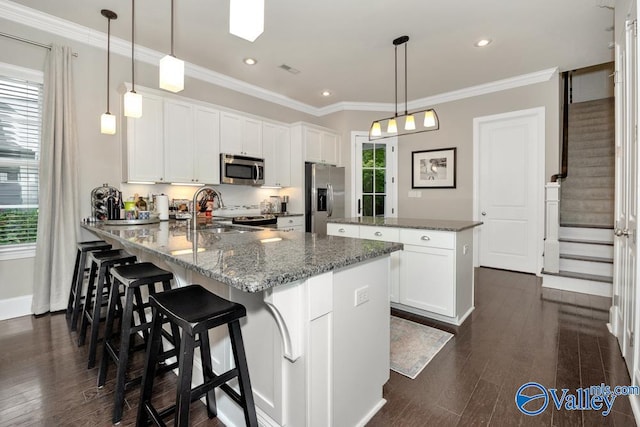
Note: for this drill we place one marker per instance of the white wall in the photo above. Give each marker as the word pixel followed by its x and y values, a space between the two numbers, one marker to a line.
pixel 593 83
pixel 456 130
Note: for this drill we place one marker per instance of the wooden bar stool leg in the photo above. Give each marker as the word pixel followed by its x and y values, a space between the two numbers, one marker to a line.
pixel 114 296
pixel 77 304
pixel 150 366
pixel 123 357
pixel 103 279
pixel 207 370
pixel 72 292
pixel 244 382
pixel 183 394
pixel 87 305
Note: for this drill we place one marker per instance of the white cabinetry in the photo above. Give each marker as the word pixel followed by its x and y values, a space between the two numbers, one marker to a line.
pixel 191 141
pixel 144 156
pixel 320 146
pixel 240 135
pixel 276 148
pixel 432 276
pixel 291 223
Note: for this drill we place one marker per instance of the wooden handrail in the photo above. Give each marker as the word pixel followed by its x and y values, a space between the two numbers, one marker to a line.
pixel 564 170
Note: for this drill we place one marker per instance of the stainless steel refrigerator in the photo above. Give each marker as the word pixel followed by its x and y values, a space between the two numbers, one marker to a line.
pixel 324 196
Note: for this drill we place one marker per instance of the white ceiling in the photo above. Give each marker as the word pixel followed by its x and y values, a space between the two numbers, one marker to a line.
pixel 345 46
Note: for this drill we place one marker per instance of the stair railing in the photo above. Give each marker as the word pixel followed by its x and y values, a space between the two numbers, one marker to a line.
pixel 552 189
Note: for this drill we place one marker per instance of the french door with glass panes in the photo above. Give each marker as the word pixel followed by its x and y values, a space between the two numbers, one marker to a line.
pixel 375 177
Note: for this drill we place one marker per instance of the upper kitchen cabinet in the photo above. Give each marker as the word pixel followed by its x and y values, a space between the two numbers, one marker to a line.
pixel 240 135
pixel 144 152
pixel 276 148
pixel 321 145
pixel 191 141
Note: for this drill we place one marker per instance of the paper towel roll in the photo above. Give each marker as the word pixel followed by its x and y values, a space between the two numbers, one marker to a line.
pixel 162 207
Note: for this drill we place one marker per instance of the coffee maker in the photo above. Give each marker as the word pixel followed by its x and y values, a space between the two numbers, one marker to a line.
pixel 283 204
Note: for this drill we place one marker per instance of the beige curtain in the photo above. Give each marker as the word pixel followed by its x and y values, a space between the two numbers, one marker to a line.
pixel 58 217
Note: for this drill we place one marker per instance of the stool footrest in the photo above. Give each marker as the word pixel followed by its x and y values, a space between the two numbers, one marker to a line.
pixel 216 381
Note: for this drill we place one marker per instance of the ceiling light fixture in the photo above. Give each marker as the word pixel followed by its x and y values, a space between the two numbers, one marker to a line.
pixel 250 61
pixel 108 120
pixel 388 127
pixel 133 100
pixel 482 42
pixel 326 93
pixel 171 68
pixel 246 18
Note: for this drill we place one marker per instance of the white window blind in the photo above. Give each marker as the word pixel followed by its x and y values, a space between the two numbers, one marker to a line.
pixel 20 123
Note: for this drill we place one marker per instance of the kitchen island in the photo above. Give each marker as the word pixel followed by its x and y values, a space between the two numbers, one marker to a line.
pixel 433 275
pixel 317 325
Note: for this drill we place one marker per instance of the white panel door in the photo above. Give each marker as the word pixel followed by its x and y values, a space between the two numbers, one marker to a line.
pixel 510 189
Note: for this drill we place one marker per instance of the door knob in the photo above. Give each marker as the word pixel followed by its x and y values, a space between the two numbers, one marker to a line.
pixel 484 213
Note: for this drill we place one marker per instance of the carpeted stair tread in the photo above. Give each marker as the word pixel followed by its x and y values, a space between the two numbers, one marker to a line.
pixel 581 205
pixel 608 151
pixel 587 258
pixel 591 161
pixel 586 242
pixel 583 276
pixel 597 193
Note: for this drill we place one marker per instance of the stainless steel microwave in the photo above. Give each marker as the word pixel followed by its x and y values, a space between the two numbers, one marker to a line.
pixel 242 170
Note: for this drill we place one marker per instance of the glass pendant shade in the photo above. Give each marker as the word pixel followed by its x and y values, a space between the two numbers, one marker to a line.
pixel 410 123
pixel 133 104
pixel 429 119
pixel 392 127
pixel 108 124
pixel 375 129
pixel 246 18
pixel 171 74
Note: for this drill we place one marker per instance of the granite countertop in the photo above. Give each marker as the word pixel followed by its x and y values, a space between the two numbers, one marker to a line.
pixel 249 261
pixel 423 224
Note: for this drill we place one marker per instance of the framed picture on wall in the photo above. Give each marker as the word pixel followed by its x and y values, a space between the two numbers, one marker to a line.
pixel 433 168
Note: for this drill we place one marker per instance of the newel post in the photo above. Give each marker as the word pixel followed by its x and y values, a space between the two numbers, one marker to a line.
pixel 551 243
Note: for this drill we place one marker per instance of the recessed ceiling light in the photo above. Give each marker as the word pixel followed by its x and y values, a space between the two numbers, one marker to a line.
pixel 326 93
pixel 482 42
pixel 250 61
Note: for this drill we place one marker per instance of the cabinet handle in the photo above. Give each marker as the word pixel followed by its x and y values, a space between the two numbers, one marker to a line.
pixel 425 238
pixel 341 230
pixel 377 233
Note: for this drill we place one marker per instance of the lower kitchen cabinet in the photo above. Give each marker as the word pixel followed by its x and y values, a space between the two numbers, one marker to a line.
pixel 432 276
pixel 427 279
pixel 291 223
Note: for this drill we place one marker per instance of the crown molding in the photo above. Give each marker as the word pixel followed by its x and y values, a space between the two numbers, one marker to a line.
pixel 456 95
pixel 73 31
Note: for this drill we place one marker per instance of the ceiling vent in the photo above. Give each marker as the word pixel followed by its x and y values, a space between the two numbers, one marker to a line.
pixel 289 69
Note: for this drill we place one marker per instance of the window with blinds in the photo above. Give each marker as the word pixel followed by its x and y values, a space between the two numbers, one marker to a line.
pixel 20 122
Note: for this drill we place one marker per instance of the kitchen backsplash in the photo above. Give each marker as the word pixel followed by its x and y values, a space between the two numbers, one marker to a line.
pixel 238 199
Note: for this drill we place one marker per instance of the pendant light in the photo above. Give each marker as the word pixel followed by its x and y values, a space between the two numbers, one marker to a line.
pixel 171 68
pixel 388 127
pixel 246 18
pixel 108 120
pixel 133 100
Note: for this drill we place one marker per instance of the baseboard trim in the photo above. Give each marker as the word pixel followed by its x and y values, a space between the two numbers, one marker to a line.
pixel 15 307
pixel 363 422
pixel 571 284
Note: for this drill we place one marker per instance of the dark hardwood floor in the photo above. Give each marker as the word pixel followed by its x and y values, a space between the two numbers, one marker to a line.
pixel 518 333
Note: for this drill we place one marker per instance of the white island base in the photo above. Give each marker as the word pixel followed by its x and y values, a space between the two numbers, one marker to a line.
pixel 315 357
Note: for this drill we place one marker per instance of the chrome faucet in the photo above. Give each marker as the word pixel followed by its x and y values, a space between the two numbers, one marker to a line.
pixel 208 189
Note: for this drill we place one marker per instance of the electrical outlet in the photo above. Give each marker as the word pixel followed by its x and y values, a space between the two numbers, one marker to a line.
pixel 415 193
pixel 362 295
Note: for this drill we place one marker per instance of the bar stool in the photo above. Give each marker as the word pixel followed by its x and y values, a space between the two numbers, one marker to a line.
pixel 74 307
pixel 132 277
pixel 101 262
pixel 196 310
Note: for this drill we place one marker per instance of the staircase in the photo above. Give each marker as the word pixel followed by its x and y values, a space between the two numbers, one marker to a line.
pixel 586 208
pixel 586 261
pixel 588 191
